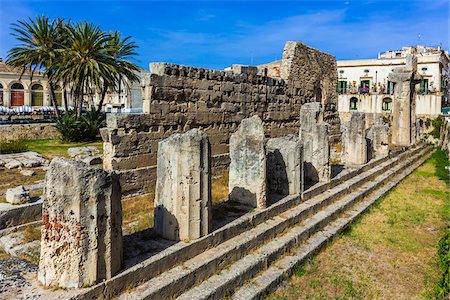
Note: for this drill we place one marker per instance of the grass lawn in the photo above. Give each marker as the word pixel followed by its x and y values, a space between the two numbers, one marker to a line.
pixel 51 148
pixel 390 252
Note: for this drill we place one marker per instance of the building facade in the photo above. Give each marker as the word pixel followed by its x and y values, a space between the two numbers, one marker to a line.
pixel 17 91
pixel 364 85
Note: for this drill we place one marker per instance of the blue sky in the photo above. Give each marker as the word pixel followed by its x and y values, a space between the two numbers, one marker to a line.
pixel 216 34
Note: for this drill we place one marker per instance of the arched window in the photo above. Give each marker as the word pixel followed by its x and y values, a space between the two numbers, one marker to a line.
pixel 37 95
pixel 387 104
pixel 58 95
pixel 17 94
pixel 353 103
pixel 1 94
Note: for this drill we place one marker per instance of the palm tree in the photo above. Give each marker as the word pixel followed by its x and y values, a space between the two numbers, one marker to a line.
pixel 86 62
pixel 39 49
pixel 121 50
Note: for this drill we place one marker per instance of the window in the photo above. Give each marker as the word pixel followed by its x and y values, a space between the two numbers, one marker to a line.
pixel 390 88
pixel 423 86
pixel 58 96
pixel 37 95
pixel 365 86
pixel 1 94
pixel 17 94
pixel 342 87
pixel 353 103
pixel 387 103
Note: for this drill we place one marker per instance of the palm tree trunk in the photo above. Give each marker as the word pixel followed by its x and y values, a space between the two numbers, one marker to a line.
pixel 66 105
pixel 80 94
pixel 102 97
pixel 53 101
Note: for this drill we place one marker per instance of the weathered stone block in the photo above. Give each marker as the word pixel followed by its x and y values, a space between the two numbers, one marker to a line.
pixel 183 186
pixel 403 121
pixel 354 143
pixel 81 241
pixel 17 195
pixel 378 137
pixel 284 166
pixel 316 148
pixel 247 177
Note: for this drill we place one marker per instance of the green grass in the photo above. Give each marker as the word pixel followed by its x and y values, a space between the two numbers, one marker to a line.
pixel 391 251
pixel 50 148
pixel 16 146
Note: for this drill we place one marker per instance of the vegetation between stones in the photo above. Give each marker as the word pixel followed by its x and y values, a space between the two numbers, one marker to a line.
pixel 16 146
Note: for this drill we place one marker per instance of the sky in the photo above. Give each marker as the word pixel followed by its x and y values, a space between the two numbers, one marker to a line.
pixel 216 34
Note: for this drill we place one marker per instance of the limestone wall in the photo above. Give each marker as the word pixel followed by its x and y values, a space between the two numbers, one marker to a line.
pixel 28 132
pixel 178 98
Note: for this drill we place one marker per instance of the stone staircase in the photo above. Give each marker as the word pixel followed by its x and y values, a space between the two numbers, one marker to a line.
pixel 254 253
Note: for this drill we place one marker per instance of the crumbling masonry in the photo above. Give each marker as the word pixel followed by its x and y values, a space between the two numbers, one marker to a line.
pixel 179 98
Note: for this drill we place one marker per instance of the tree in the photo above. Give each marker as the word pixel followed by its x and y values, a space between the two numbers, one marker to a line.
pixel 80 56
pixel 86 62
pixel 39 49
pixel 121 50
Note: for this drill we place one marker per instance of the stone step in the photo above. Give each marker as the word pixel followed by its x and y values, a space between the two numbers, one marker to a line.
pixel 235 275
pixel 269 279
pixel 195 270
pixel 182 251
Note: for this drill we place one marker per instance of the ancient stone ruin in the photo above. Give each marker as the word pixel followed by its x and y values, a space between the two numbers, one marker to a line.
pixel 81 241
pixel 183 187
pixel 403 123
pixel 247 179
pixel 178 98
pixel 316 147
pixel 378 137
pixel 272 134
pixel 284 166
pixel 354 142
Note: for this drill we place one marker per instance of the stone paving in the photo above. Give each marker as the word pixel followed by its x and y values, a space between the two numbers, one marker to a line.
pixel 25 159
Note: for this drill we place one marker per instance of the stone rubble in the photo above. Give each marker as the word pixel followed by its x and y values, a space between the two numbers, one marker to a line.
pixel 17 195
pixel 25 159
pixel 27 172
pixel 81 152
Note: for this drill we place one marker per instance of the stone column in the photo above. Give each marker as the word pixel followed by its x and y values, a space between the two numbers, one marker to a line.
pixel 354 143
pixel 247 180
pixel 183 186
pixel 403 122
pixel 6 97
pixel 81 241
pixel 284 166
pixel 316 148
pixel 378 137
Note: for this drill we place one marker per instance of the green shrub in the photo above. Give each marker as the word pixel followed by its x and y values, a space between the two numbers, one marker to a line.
pixel 92 121
pixel 442 288
pixel 70 128
pixel 13 147
pixel 437 123
pixel 85 128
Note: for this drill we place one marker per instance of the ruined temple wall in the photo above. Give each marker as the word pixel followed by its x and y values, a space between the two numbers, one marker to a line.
pixel 178 98
pixel 311 76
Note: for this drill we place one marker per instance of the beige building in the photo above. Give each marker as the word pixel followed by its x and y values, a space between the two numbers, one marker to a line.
pixel 16 91
pixel 364 86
